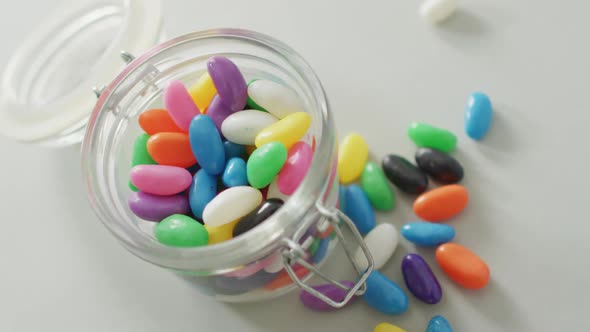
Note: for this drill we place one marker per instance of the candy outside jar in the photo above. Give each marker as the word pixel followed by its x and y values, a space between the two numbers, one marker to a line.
pixel 271 259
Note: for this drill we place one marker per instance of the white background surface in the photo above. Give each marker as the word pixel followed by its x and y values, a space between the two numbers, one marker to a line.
pixel 382 68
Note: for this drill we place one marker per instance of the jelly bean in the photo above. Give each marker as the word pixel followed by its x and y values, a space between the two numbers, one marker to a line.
pixel 358 209
pixel 342 198
pixel 160 179
pixel 265 163
pixel 276 263
pixel 257 216
pixel 202 191
pixel 218 112
pixel 181 231
pixel 235 173
pixel 375 185
pixel 274 192
pixel 420 280
pixel 233 150
pixel 478 115
pixel 273 97
pixel 315 245
pixel 463 266
pixel 140 155
pixel 439 165
pixel 331 291
pixel 425 135
pixel 229 82
pixel 436 11
pixel 288 130
pixel 251 268
pixel 321 251
pixel 428 234
pixel 441 203
pixel 202 92
pixel 295 168
pixel 172 149
pixel 155 208
pixel 180 105
pixel 382 242
pixel 252 282
pixel 250 149
pixel 158 121
pixel 352 157
pixel 242 127
pixel 407 177
pixel 439 324
pixel 218 234
pixel 386 327
pixel 283 279
pixel 242 201
pixel 326 233
pixel 206 144
pixel 385 295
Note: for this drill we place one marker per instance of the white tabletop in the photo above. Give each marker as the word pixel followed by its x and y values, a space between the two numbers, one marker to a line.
pixel 382 67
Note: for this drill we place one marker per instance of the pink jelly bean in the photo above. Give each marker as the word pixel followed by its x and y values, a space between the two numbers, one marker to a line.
pixel 295 168
pixel 160 179
pixel 251 269
pixel 180 105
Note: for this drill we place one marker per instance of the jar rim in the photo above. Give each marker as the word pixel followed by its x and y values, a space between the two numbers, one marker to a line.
pixel 261 240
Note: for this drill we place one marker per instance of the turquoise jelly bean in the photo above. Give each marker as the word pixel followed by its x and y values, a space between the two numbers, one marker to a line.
pixel 359 209
pixel 233 150
pixel 201 192
pixel 321 251
pixel 428 234
pixel 439 324
pixel 385 295
pixel 207 145
pixel 478 115
pixel 235 173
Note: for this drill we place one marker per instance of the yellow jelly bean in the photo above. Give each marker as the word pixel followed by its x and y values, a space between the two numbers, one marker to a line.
pixel 288 130
pixel 203 92
pixel 218 234
pixel 386 327
pixel 352 157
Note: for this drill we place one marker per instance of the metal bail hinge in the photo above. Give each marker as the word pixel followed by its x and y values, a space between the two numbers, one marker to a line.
pixel 295 253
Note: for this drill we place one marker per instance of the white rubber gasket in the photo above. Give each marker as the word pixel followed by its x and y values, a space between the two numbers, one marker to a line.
pixel 29 122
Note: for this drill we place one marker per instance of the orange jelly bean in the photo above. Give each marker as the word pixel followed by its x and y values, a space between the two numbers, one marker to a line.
pixel 157 121
pixel 171 149
pixel 283 279
pixel 441 203
pixel 463 266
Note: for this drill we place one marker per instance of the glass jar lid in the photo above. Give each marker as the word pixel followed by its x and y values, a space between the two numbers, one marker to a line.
pixel 46 92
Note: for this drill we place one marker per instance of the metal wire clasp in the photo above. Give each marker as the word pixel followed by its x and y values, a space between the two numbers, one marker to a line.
pixel 294 253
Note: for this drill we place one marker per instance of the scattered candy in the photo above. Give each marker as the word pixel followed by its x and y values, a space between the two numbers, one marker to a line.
pixel 382 242
pixel 385 295
pixel 265 163
pixel 140 154
pixel 235 173
pixel 439 324
pixel 179 230
pixel 202 92
pixel 160 179
pixel 242 199
pixel 158 121
pixel 386 327
pixel 257 216
pixel 273 97
pixel 463 266
pixel 154 207
pixel 206 144
pixel 407 177
pixel 478 115
pixel 420 280
pixel 358 209
pixel 375 185
pixel 243 127
pixel 288 130
pixel 172 149
pixel 229 82
pixel 428 234
pixel 353 153
pixel 441 203
pixel 425 135
pixel 179 104
pixel 439 165
pixel 330 290
pixel 295 168
pixel 202 191
pixel 436 11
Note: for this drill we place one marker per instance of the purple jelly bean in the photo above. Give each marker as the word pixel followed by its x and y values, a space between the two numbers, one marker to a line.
pixel 420 280
pixel 229 82
pixel 155 208
pixel 249 283
pixel 332 291
pixel 218 112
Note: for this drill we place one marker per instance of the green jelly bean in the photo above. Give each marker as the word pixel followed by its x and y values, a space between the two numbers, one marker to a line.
pixel 375 185
pixel 425 135
pixel 314 247
pixel 251 103
pixel 265 163
pixel 179 230
pixel 140 154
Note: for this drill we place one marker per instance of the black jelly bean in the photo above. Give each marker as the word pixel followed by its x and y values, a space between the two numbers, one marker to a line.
pixel 440 166
pixel 254 218
pixel 404 175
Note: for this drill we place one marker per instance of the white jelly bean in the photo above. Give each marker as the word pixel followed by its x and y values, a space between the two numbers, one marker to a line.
pixel 242 127
pixel 231 204
pixel 436 11
pixel 381 241
pixel 274 97
pixel 275 265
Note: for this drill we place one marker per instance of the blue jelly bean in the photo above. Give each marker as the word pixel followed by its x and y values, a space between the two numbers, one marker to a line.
pixel 359 209
pixel 201 192
pixel 322 250
pixel 478 115
pixel 385 295
pixel 235 173
pixel 206 144
pixel 427 234
pixel 233 150
pixel 439 324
